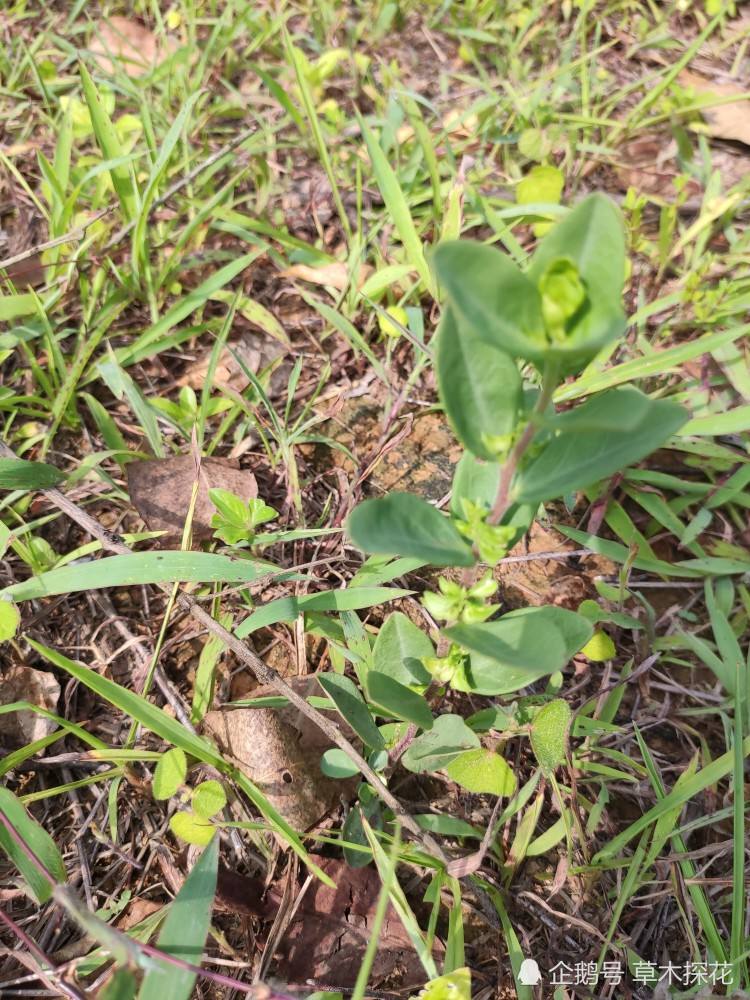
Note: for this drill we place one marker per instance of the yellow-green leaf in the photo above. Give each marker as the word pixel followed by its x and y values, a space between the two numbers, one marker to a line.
pixel 482 770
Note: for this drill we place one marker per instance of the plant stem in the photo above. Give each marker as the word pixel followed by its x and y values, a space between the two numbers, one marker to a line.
pixel 508 471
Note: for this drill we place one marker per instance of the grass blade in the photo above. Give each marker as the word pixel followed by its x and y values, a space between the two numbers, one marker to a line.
pixel 123 178
pixel 185 930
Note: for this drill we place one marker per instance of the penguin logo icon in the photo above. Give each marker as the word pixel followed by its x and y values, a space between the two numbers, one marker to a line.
pixel 529 974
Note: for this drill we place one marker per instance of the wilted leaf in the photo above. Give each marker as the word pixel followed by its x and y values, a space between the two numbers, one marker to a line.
pixel 330 930
pixel 39 687
pixel 122 43
pixel 279 750
pixel 334 275
pixel 725 121
pixel 161 489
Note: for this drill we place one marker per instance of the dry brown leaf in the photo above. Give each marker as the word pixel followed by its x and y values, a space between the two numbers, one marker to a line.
pixel 121 43
pixel 327 938
pixel 24 231
pixel 279 750
pixel 334 275
pixel 160 490
pixel 39 687
pixel 257 352
pixel 725 121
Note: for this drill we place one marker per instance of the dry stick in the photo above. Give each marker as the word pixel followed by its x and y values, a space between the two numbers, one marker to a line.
pixel 264 673
pixel 184 181
pixel 46 968
pixel 75 234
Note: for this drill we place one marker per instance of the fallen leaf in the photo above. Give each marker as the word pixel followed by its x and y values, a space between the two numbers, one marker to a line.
pixel 256 352
pixel 725 121
pixel 121 43
pixel 279 750
pixel 39 687
pixel 335 275
pixel 160 490
pixel 327 938
pixel 26 230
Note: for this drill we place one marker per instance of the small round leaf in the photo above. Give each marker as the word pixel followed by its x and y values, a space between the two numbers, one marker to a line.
pixel 10 619
pixel 169 774
pixel 191 828
pixel 209 798
pixel 336 764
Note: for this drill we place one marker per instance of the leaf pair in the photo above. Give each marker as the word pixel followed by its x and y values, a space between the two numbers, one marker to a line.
pixel 556 312
pixel 521 647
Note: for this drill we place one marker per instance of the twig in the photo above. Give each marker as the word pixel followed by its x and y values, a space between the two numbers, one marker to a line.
pixel 75 234
pixel 263 673
pixel 184 181
pixel 46 967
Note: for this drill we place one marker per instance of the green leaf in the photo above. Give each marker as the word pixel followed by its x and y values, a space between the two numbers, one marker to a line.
pixel 184 932
pixel 18 474
pixel 492 297
pixel 286 609
pixel 209 798
pixel 577 459
pixel 194 299
pixel 37 840
pixel 191 828
pixel 476 481
pixel 352 708
pixel 10 619
pixel 402 524
pixel 155 719
pixel 455 985
pixel 480 387
pixel 397 700
pixel 549 734
pixel 518 649
pixel 436 748
pixel 122 986
pixel 482 771
pixel 139 568
pixel 397 206
pixel 336 764
pixel 169 774
pixel 399 649
pixel 157 171
pixel 591 236
pixel 599 647
pixel 106 136
pixel 543 183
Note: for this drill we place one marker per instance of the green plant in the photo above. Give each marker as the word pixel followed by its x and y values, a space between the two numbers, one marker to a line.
pixel 507 340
